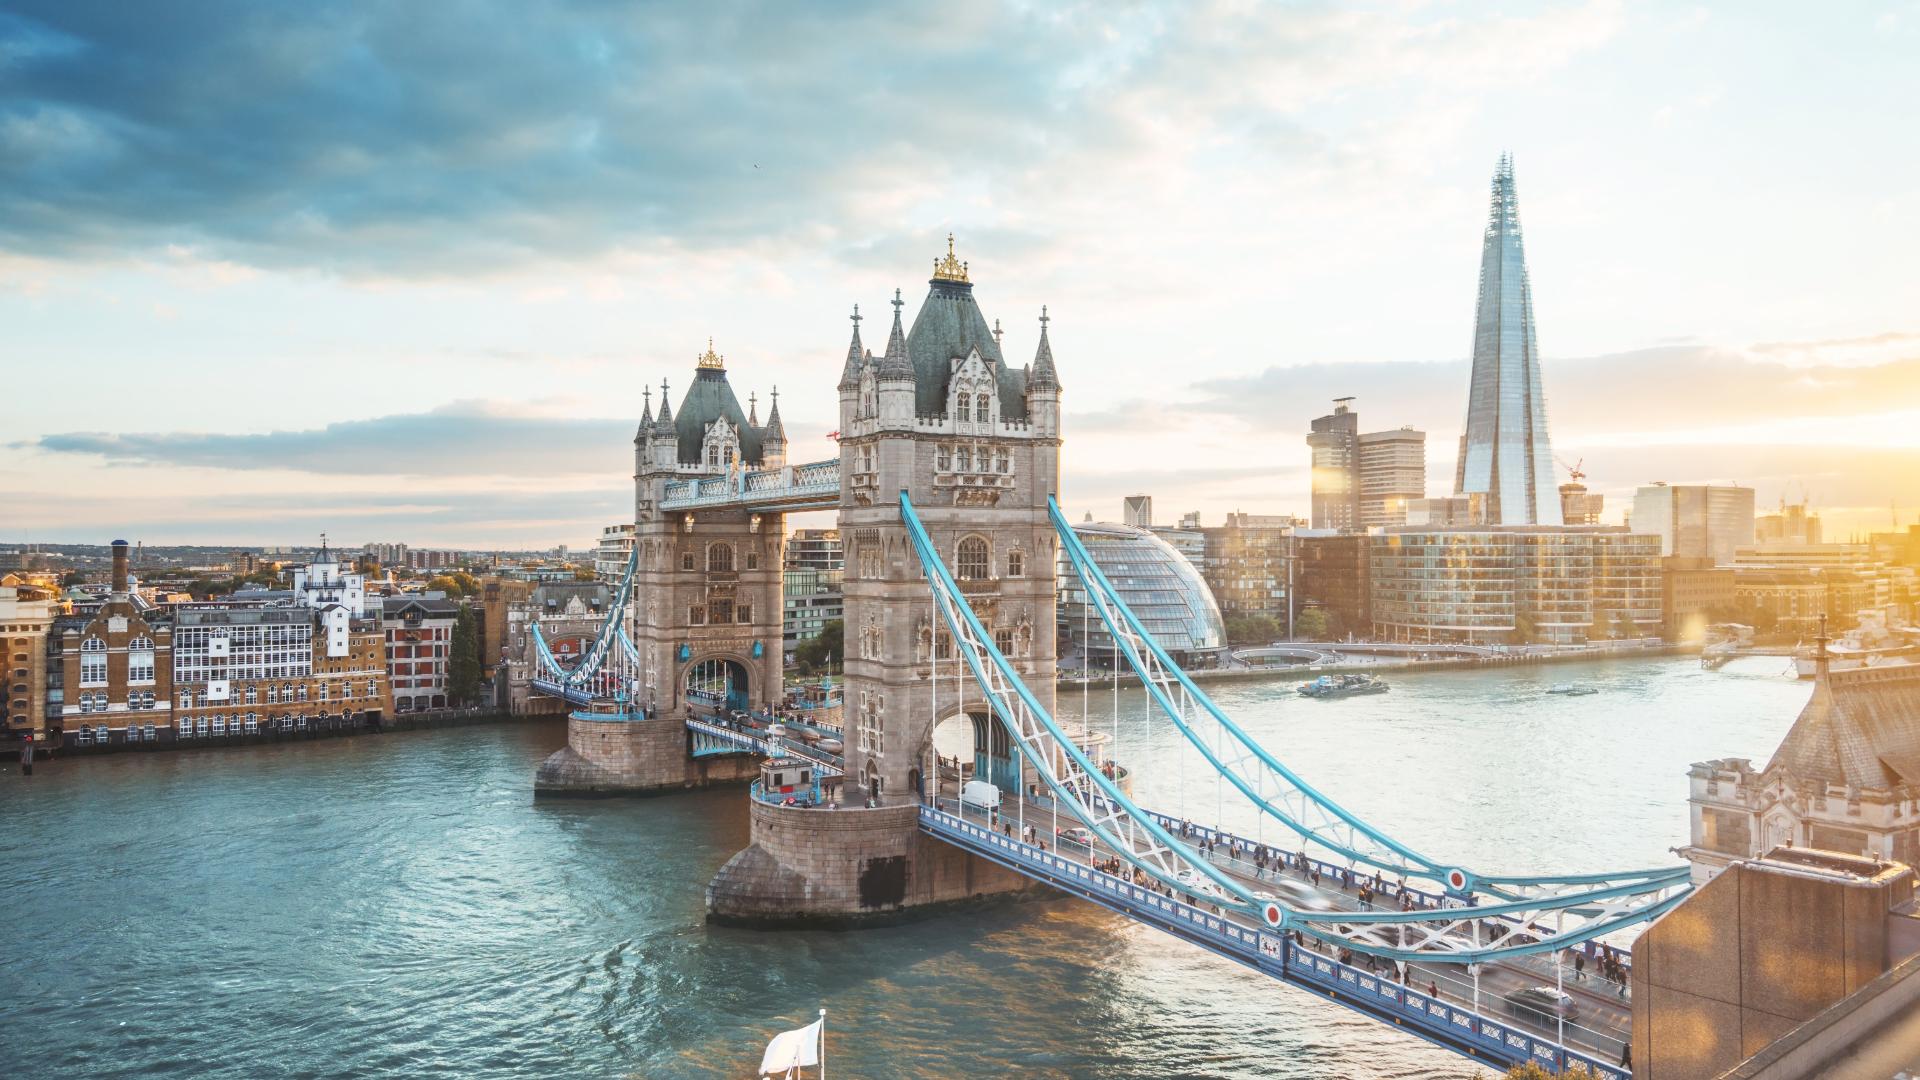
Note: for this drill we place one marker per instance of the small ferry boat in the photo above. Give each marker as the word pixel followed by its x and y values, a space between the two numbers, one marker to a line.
pixel 1567 689
pixel 1332 686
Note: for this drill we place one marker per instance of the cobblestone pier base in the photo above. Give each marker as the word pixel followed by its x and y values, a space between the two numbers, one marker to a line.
pixel 633 757
pixel 845 868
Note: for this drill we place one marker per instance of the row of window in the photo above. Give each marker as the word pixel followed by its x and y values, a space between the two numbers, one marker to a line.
pixel 966 458
pixel 719 559
pixel 718 611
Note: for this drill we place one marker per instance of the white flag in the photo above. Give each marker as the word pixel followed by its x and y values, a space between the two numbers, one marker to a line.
pixel 791 1050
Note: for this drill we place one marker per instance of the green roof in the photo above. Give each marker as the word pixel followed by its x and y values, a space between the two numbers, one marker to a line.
pixel 949 325
pixel 709 398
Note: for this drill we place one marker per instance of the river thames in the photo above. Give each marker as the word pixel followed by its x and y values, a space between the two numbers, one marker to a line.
pixel 399 905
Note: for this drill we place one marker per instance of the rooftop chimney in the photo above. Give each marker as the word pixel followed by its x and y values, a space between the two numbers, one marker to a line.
pixel 120 569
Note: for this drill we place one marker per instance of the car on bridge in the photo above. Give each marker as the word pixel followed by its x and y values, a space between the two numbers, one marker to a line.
pixel 1293 895
pixel 1542 1004
pixel 1194 883
pixel 1082 837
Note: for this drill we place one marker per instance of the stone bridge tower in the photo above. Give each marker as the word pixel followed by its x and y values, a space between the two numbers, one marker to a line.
pixel 975 442
pixel 707 596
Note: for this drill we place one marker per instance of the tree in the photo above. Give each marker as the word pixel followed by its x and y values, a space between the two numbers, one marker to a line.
pixel 448 584
pixel 1523 629
pixel 463 660
pixel 814 652
pixel 1533 1070
pixel 1311 625
pixel 583 573
pixel 1252 629
pixel 71 578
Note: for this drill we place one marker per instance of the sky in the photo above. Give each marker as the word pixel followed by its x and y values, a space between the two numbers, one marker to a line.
pixel 402 272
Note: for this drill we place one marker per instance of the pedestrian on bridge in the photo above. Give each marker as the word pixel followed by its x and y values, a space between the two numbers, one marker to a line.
pixel 1580 967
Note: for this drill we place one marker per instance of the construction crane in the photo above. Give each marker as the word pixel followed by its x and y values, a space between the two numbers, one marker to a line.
pixel 1573 470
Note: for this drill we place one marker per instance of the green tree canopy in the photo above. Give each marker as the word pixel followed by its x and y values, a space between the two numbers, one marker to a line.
pixel 814 653
pixel 1311 625
pixel 463 660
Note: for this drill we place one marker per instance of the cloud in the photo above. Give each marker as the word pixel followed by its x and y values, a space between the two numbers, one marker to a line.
pixel 414 140
pixel 468 439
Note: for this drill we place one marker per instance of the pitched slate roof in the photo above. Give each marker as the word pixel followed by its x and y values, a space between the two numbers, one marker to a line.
pixel 949 325
pixel 709 398
pixel 1860 728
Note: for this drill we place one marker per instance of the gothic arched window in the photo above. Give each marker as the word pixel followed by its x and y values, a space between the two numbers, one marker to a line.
pixel 980 406
pixel 964 411
pixel 973 560
pixel 720 557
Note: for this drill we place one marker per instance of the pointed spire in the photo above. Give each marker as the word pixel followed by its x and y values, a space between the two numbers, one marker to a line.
pixel 996 338
pixel 753 410
pixel 1043 377
pixel 850 375
pixel 896 364
pixel 665 423
pixel 646 416
pixel 775 431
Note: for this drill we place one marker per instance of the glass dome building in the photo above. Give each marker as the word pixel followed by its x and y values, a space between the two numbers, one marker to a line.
pixel 1166 593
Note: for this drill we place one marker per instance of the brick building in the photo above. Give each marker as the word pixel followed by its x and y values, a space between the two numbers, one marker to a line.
pixel 116 668
pixel 419 633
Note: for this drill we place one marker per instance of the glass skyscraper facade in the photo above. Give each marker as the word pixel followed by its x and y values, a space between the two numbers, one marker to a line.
pixel 1508 585
pixel 1164 590
pixel 1504 449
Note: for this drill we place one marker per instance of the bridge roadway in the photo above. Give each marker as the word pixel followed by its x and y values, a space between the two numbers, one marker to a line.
pixel 1491 1030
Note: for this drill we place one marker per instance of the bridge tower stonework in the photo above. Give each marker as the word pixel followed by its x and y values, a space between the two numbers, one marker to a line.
pixel 975 442
pixel 706 602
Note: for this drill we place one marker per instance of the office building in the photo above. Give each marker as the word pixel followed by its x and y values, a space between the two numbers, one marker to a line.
pixel 1245 565
pixel 1504 449
pixel 1696 521
pixel 1578 506
pixel 1695 593
pixel 1335 442
pixel 1162 588
pixel 1791 524
pixel 1138 512
pixel 1514 585
pixel 1330 576
pixel 812 586
pixel 815 549
pixel 251 670
pixel 1361 480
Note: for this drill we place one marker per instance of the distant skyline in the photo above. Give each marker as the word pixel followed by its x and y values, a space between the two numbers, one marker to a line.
pixel 397 276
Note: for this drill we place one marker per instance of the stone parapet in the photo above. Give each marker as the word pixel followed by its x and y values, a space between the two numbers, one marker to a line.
pixel 846 867
pixel 633 757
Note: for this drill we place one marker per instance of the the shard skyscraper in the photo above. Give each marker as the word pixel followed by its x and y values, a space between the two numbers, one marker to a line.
pixel 1504 451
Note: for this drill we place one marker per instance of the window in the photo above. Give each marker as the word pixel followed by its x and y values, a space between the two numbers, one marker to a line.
pixel 1003 640
pixel 686 560
pixel 965 411
pixel 720 609
pixel 753 560
pixel 963 460
pixel 713 454
pixel 696 614
pixel 743 613
pixel 980 407
pixel 720 558
pixel 93 662
pixel 1016 563
pixel 972 561
pixel 1003 461
pixel 943 457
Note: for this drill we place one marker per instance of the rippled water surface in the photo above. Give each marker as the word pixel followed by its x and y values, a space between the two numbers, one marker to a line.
pixel 398 905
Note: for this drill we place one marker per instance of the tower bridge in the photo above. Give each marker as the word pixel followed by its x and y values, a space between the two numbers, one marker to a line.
pixel 945 481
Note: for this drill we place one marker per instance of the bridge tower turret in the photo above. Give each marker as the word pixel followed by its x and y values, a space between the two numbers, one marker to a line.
pixel 705 615
pixel 975 444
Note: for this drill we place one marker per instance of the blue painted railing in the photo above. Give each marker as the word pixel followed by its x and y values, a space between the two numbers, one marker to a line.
pixel 1451 1026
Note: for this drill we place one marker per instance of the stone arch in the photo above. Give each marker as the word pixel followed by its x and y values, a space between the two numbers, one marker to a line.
pixel 992 756
pixel 717 681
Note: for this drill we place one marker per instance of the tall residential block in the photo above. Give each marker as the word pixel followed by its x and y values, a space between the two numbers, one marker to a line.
pixel 1335 442
pixel 1504 449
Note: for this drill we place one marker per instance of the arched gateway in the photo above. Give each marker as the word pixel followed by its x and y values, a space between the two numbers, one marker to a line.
pixel 941 414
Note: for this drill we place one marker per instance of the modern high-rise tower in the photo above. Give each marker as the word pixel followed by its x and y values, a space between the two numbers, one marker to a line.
pixel 1504 451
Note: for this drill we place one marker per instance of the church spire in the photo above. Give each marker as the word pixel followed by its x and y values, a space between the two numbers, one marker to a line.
pixel 896 364
pixel 1044 377
pixel 646 414
pixel 850 375
pixel 665 423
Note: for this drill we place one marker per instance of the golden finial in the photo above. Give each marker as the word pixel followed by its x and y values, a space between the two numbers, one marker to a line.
pixel 949 268
pixel 712 359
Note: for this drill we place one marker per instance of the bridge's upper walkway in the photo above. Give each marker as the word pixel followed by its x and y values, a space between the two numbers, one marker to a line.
pixel 813 486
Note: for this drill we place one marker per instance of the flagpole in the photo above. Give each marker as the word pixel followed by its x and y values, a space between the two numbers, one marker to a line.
pixel 823 1044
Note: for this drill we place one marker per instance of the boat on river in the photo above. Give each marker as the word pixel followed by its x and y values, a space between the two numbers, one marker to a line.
pixel 1333 686
pixel 1567 689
